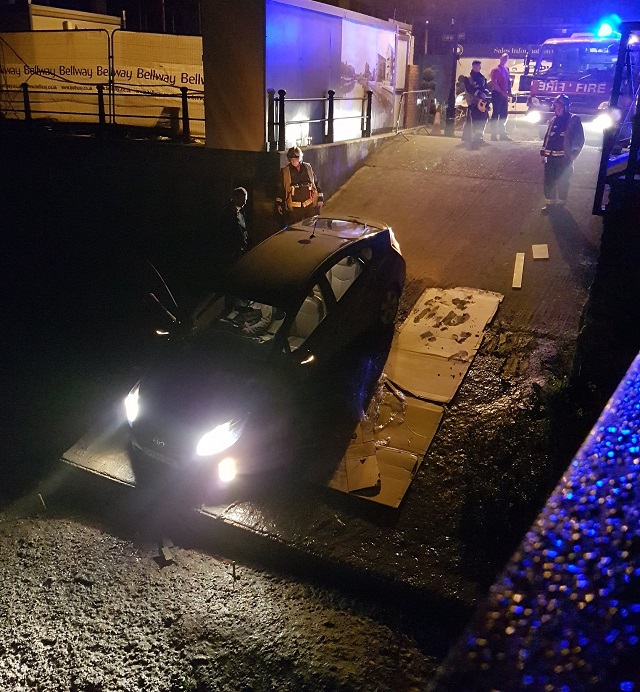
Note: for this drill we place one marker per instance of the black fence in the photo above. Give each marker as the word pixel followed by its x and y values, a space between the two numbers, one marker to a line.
pixel 320 117
pixel 102 107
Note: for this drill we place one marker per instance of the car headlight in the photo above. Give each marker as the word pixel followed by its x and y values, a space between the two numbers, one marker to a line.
pixel 533 117
pixel 219 439
pixel 603 121
pixel 131 403
pixel 227 469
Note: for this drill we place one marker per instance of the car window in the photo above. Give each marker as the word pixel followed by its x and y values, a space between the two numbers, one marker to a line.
pixel 246 318
pixel 344 273
pixel 311 313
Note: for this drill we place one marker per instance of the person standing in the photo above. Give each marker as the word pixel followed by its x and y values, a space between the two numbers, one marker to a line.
pixel 561 145
pixel 477 97
pixel 500 94
pixel 237 236
pixel 299 195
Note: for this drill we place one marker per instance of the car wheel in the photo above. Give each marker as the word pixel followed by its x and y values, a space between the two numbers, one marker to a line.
pixel 389 305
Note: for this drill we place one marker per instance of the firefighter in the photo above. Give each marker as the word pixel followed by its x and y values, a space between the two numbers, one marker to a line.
pixel 562 144
pixel 299 195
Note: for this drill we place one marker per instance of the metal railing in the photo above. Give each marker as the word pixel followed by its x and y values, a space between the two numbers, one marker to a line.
pixel 320 117
pixel 104 108
pixel 415 109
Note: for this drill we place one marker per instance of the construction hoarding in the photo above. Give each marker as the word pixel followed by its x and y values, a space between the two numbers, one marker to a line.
pixel 141 76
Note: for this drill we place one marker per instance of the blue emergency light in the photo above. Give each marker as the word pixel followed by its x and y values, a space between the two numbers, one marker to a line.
pixel 609 26
pixel 605 30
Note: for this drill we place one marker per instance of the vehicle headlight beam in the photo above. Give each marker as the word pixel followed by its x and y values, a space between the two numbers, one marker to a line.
pixel 132 404
pixel 218 439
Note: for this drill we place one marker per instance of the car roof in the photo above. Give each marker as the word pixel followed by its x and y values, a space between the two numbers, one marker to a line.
pixel 278 268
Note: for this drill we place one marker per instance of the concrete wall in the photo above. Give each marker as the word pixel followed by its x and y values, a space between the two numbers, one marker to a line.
pixel 335 163
pixel 110 205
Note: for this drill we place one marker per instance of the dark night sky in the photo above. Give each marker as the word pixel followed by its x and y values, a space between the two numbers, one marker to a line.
pixel 182 16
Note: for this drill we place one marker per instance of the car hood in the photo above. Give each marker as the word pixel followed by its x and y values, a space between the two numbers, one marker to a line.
pixel 201 385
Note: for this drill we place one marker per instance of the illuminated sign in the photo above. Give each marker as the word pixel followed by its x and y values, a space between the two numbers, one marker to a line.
pixel 555 86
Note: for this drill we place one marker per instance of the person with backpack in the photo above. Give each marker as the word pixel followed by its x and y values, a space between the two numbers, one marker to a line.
pixel 299 195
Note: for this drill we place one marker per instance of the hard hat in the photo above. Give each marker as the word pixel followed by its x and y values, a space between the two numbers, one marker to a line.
pixel 294 152
pixel 563 99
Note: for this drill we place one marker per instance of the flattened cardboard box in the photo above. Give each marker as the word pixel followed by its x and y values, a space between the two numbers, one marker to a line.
pixel 387 453
pixel 438 341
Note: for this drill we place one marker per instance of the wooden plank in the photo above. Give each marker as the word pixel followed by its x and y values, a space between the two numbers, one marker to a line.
pixel 517 270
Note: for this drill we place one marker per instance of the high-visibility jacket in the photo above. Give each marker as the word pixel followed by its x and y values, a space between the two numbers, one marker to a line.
pixel 304 188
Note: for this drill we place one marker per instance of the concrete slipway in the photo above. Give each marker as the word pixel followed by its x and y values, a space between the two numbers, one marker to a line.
pixel 460 216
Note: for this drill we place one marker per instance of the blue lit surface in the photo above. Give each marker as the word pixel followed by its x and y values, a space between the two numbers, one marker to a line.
pixel 309 52
pixel 566 612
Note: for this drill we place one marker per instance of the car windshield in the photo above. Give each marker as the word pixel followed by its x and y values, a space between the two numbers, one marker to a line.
pixel 248 324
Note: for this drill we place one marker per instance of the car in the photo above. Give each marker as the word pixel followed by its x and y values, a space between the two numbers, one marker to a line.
pixel 239 376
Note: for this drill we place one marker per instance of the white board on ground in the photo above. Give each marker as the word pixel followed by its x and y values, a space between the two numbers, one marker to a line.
pixel 104 451
pixel 518 268
pixel 540 251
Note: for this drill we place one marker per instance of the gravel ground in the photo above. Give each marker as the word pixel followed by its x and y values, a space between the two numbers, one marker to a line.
pixel 84 609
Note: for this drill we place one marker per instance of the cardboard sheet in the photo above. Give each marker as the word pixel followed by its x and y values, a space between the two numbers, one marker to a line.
pixel 437 342
pixel 400 428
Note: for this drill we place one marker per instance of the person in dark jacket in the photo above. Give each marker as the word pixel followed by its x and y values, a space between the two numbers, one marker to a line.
pixel 562 144
pixel 299 195
pixel 236 238
pixel 477 97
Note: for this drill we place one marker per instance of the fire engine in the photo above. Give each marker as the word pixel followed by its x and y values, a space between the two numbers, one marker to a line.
pixel 582 67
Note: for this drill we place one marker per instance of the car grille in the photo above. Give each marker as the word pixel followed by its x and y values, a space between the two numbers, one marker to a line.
pixel 161 443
